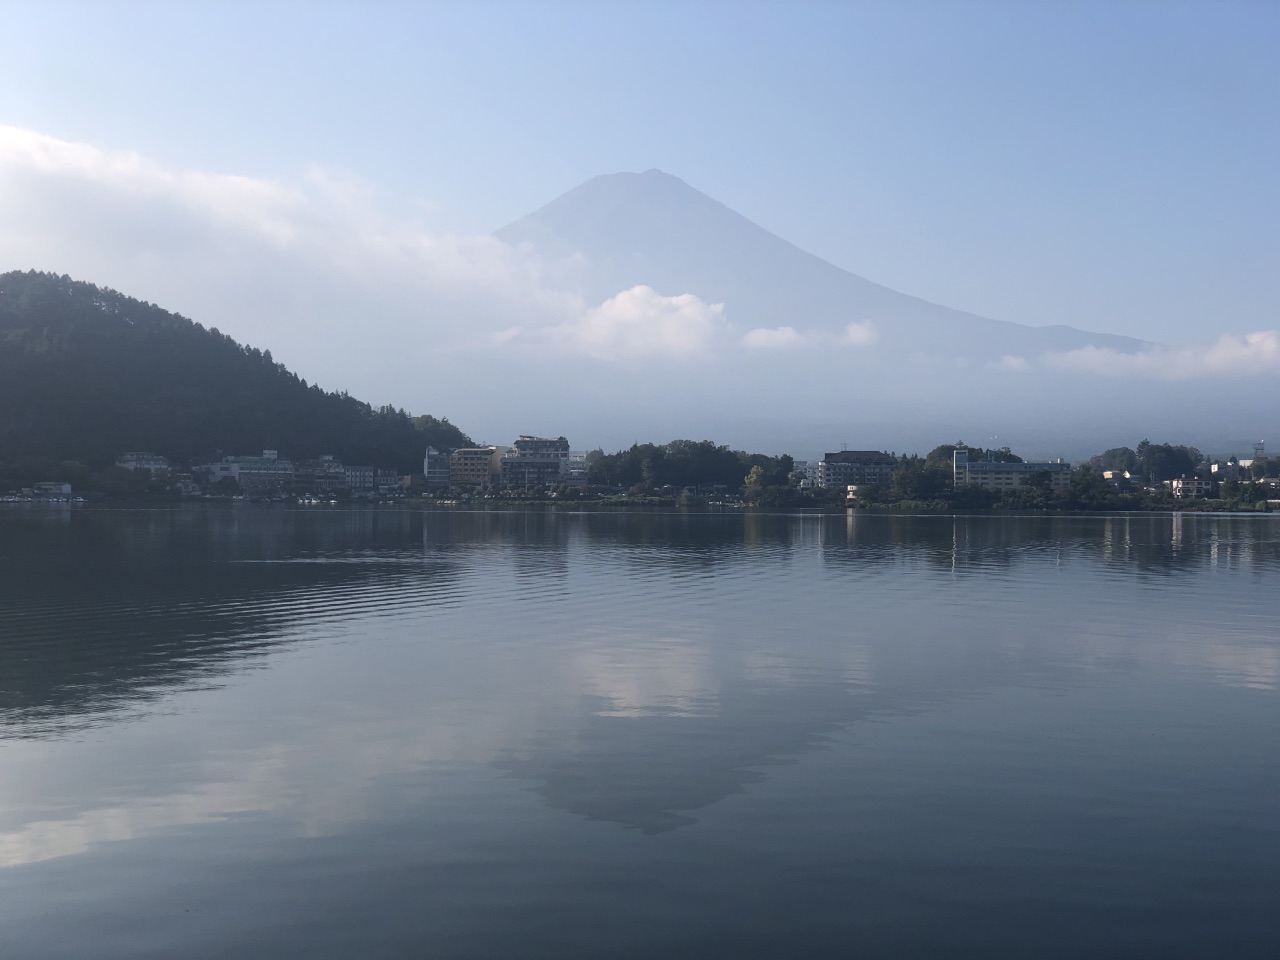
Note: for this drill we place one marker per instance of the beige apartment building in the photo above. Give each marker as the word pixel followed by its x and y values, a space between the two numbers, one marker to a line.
pixel 475 466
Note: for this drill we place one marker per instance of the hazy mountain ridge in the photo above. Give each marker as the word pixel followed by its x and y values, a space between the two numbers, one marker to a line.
pixel 652 228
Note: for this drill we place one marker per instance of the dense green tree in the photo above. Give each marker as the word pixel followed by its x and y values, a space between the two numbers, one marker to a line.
pixel 87 373
pixel 1264 467
pixel 1158 462
pixel 685 463
pixel 940 457
pixel 922 479
pixel 1117 458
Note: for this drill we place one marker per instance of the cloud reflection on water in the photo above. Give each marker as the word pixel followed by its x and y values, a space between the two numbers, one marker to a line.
pixel 635 670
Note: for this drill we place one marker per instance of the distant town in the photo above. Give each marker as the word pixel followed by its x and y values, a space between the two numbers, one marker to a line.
pixel 1152 476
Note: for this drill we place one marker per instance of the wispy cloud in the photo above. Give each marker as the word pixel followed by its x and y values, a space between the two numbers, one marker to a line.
pixel 1010 362
pixel 123 210
pixel 642 323
pixel 777 338
pixel 1231 354
pixel 860 334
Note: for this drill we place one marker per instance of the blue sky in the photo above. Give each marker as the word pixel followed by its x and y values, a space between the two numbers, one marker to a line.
pixel 1107 165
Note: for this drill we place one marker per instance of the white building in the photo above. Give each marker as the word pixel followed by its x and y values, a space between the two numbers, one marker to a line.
pixel 808 469
pixel 1189 488
pixel 357 477
pixel 856 467
pixel 1005 476
pixel 573 469
pixel 151 462
pixel 267 472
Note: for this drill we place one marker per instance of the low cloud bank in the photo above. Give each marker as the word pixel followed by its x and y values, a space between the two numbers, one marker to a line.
pixel 1231 354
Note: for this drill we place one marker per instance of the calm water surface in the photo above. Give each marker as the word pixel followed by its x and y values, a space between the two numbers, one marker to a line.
pixel 255 733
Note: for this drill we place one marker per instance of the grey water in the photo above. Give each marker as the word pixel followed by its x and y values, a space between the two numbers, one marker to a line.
pixel 251 732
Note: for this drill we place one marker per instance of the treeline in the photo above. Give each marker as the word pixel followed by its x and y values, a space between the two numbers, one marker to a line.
pixel 1157 462
pixel 918 481
pixel 647 467
pixel 929 481
pixel 87 373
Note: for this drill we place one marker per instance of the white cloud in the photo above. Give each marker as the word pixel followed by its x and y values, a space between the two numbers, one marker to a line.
pixel 766 338
pixel 507 335
pixel 860 334
pixel 63 196
pixel 266 207
pixel 1232 354
pixel 1009 362
pixel 341 282
pixel 641 323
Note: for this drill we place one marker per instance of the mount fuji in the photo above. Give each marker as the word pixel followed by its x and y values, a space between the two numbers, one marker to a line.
pixel 653 229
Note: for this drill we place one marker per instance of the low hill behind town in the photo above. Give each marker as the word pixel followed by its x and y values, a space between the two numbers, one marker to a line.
pixel 87 373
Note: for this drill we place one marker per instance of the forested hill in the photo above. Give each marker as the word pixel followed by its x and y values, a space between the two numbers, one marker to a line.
pixel 87 373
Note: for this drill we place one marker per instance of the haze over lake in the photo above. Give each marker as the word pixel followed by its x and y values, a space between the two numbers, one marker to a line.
pixel 253 732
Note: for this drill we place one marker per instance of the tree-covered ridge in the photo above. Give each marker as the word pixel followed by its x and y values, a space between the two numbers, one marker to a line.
pixel 87 373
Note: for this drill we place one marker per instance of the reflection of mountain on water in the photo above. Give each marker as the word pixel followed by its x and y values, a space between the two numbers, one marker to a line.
pixel 114 609
pixel 653 772
pixel 671 727
pixel 661 626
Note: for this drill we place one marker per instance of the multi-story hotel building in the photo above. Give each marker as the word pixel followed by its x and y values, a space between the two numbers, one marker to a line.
pixel 1005 476
pixel 475 466
pixel 535 462
pixel 856 467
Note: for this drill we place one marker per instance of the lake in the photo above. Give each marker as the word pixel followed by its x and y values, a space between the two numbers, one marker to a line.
pixel 250 732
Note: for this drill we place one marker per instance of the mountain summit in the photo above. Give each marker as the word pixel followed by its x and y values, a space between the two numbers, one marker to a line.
pixel 654 229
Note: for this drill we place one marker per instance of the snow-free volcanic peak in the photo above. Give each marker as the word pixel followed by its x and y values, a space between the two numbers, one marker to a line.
pixel 652 228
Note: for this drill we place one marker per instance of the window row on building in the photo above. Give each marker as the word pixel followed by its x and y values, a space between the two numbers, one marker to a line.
pixel 270 472
pixel 530 463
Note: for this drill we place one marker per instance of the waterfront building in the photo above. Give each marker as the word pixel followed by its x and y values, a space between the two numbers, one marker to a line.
pixel 435 468
pixel 358 479
pixel 808 471
pixel 151 462
pixel 1000 477
pixel 228 468
pixel 265 473
pixel 186 485
pixel 324 475
pixel 1189 488
pixel 253 474
pixel 475 466
pixel 573 470
pixel 857 467
pixel 535 462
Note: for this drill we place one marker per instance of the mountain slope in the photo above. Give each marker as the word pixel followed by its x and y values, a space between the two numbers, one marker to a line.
pixel 652 228
pixel 87 373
